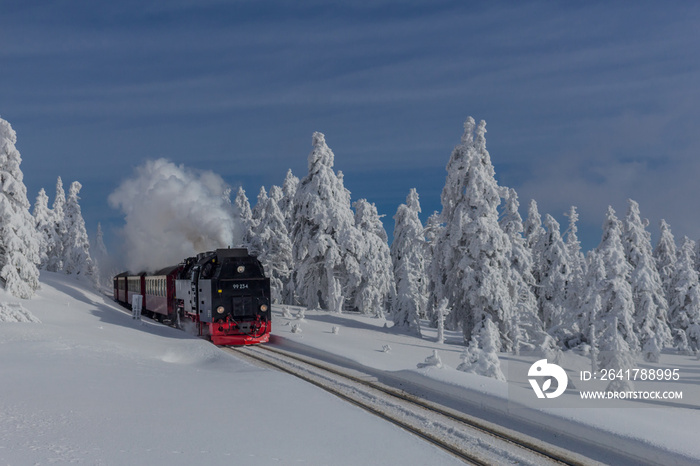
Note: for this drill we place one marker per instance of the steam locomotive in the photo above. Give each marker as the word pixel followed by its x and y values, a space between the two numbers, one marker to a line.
pixel 224 292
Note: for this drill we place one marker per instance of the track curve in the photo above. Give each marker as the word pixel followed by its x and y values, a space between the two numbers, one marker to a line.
pixel 472 440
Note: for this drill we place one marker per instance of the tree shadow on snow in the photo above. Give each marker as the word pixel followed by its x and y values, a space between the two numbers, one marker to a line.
pixel 339 320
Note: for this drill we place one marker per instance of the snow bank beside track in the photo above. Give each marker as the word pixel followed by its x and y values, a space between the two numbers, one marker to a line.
pixel 613 435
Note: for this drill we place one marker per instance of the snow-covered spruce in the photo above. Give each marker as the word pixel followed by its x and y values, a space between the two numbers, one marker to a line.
pixel 472 252
pixel 617 341
pixel 376 290
pixel 665 257
pixel 432 231
pixel 271 241
pixel 441 313
pixel 244 217
pixel 481 356
pixel 286 203
pixel 527 329
pixel 408 259
pixel 554 274
pixel 532 228
pixel 76 245
pixel 19 242
pixel 323 220
pixel 55 255
pixel 577 263
pixel 650 305
pixel 44 224
pixel 684 300
pixel 616 291
pixel 591 305
pixel 101 258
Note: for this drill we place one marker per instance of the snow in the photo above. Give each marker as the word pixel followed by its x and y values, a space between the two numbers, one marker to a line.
pixel 615 432
pixel 90 385
pixel 82 382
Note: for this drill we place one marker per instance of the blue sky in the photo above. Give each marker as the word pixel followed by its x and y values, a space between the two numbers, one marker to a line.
pixel 587 103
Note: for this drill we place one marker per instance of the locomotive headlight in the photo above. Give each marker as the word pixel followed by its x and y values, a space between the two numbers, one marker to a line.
pixel 263 308
pixel 220 309
pixel 240 269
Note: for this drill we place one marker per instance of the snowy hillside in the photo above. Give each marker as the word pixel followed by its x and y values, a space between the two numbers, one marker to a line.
pixel 89 385
pixel 82 382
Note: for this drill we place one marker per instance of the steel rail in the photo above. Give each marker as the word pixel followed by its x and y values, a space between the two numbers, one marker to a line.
pixel 521 443
pixel 540 447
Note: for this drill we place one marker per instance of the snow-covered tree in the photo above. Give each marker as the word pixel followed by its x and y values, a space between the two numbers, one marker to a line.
pixel 554 273
pixel 665 257
pixel 684 300
pixel 591 290
pixel 615 353
pixel 481 356
pixel 577 261
pixel 444 270
pixel 286 203
pixel 408 259
pixel 650 304
pixel 101 258
pixel 533 231
pixel 244 217
pixel 256 212
pixel 616 292
pixel 322 217
pixel 76 245
pixel 432 233
pixel 19 245
pixel 591 335
pixel 276 195
pixel 43 222
pixel 55 252
pixel 376 289
pixel 473 252
pixel 273 243
pixel 441 312
pixel 532 228
pixel 255 244
pixel 527 326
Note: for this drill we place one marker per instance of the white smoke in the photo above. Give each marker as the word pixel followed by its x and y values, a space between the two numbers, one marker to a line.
pixel 171 213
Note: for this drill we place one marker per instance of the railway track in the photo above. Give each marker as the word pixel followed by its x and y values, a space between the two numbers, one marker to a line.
pixel 473 440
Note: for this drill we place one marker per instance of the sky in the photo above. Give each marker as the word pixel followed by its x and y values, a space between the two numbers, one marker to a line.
pixel 586 103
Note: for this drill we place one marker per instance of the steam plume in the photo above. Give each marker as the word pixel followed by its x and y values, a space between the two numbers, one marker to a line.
pixel 171 213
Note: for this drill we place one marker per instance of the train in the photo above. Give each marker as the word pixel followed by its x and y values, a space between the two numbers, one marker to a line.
pixel 224 292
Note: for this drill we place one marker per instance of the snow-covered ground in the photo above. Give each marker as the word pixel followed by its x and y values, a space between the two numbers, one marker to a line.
pixel 89 385
pixel 614 431
pixel 82 382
